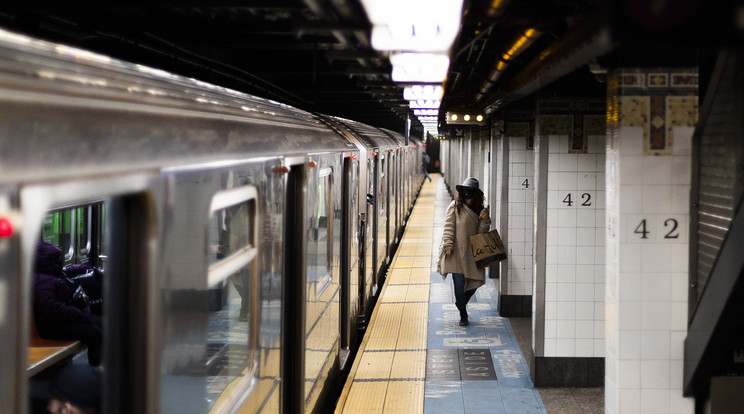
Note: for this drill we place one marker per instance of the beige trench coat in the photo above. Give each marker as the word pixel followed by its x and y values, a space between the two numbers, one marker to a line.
pixel 458 227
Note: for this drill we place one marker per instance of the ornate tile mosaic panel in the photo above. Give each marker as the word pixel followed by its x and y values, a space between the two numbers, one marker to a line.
pixel 595 124
pixel 555 124
pixel 655 99
pixel 517 129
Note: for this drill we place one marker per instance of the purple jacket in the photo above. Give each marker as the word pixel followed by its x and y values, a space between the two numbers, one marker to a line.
pixel 51 293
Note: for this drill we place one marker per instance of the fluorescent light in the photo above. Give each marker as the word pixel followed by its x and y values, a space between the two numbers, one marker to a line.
pixel 424 104
pixel 419 67
pixel 414 37
pixel 428 118
pixel 423 112
pixel 414 25
pixel 415 92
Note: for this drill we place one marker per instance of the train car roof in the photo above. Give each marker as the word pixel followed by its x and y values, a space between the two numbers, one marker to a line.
pixel 68 111
pixel 372 137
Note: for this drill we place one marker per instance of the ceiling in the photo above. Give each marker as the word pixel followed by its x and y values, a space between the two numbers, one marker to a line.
pixel 316 54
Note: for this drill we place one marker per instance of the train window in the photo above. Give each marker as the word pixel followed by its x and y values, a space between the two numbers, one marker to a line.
pixel 66 320
pixel 319 240
pixel 73 230
pixel 231 340
pixel 57 229
pixel 82 227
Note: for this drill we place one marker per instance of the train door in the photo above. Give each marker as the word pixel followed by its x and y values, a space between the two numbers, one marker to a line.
pixel 394 202
pixel 390 206
pixel 375 217
pixel 293 292
pixel 381 208
pixel 349 260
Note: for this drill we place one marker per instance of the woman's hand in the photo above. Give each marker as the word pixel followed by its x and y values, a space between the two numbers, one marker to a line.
pixel 448 252
pixel 484 214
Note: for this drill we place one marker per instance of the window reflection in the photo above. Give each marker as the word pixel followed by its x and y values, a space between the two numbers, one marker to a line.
pixel 318 243
pixel 232 272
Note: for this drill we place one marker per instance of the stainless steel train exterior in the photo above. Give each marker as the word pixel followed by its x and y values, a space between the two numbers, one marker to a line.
pixel 203 189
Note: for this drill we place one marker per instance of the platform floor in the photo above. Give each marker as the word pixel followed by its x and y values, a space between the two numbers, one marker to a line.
pixel 415 358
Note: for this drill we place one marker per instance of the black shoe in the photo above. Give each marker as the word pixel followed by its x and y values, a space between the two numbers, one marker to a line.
pixel 243 317
pixel 464 321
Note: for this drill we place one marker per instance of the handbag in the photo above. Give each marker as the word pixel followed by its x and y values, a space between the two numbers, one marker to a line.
pixel 79 298
pixel 487 248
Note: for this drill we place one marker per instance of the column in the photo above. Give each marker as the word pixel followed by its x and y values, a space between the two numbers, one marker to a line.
pixel 569 244
pixel 517 270
pixel 651 116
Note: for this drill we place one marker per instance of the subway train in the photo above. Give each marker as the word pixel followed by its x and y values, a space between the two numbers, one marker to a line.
pixel 243 241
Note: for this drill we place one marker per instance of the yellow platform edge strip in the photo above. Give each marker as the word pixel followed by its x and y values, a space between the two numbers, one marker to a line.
pixel 414 392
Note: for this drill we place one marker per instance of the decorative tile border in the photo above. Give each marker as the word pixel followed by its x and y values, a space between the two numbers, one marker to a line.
pixel 658 80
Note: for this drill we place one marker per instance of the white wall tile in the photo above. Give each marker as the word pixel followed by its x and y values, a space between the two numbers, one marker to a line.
pixel 584 347
pixel 565 292
pixel 586 182
pixel 584 292
pixel 655 345
pixel 599 348
pixel 565 328
pixel 656 198
pixel 654 401
pixel 630 317
pixel 551 329
pixel 565 273
pixel 631 200
pixel 565 310
pixel 630 401
pixel 585 255
pixel 656 287
pixel 567 218
pixel 586 311
pixel 629 374
pixel 629 347
pixel 567 181
pixel 584 273
pixel 568 162
pixel 587 162
pixel 655 316
pixel 551 347
pixel 584 329
pixel 565 347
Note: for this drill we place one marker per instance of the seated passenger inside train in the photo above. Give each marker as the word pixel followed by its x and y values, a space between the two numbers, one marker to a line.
pixel 61 311
pixel 74 389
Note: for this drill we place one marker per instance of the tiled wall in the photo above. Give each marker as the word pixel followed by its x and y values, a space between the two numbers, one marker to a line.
pixel 520 217
pixel 575 249
pixel 648 184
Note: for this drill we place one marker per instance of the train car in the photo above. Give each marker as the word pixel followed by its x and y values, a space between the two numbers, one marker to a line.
pixel 234 232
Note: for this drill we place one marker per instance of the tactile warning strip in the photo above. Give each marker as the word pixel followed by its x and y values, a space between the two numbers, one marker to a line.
pixel 389 370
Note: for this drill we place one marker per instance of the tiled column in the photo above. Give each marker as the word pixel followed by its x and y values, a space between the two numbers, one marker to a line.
pixel 569 244
pixel 651 116
pixel 519 173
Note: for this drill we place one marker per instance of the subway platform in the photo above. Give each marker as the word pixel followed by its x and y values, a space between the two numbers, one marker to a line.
pixel 415 358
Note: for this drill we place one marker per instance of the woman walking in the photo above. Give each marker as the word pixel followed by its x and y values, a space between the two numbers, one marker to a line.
pixel 465 217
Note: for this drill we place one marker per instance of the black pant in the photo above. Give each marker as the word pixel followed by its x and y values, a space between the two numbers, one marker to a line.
pixel 462 297
pixel 91 334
